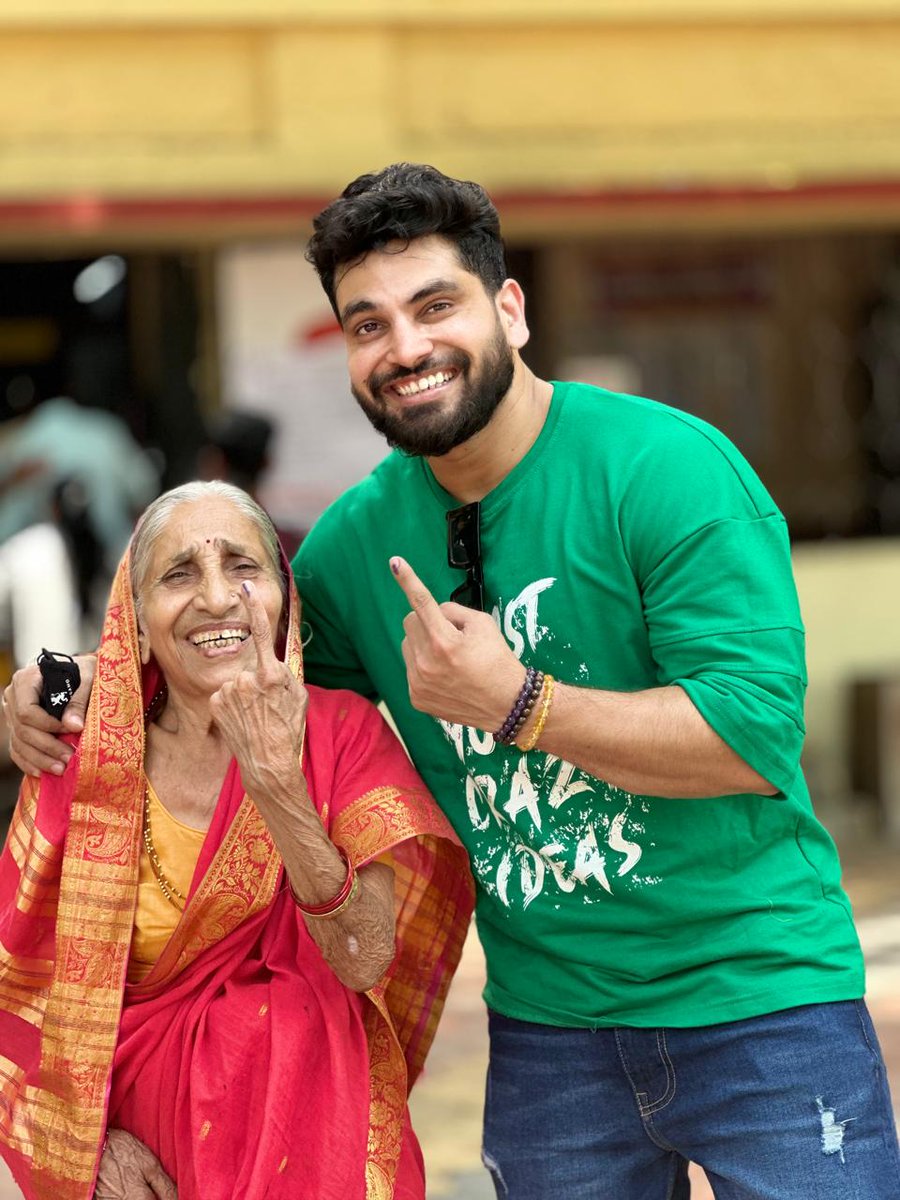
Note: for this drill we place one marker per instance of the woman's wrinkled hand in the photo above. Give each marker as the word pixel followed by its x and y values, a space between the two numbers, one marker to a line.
pixel 129 1171
pixel 34 736
pixel 262 713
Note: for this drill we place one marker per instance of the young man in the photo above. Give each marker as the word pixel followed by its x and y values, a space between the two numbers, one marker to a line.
pixel 673 972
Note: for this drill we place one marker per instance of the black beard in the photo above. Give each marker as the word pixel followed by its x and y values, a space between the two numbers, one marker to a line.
pixel 428 430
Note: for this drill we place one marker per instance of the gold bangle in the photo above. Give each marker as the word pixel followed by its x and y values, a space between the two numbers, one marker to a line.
pixel 532 739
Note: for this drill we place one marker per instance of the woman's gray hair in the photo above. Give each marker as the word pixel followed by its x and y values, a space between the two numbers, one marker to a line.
pixel 157 514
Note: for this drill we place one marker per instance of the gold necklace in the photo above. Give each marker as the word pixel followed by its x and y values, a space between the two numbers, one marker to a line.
pixel 168 889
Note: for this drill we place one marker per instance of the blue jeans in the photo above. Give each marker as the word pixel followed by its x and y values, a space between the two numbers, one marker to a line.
pixel 790 1106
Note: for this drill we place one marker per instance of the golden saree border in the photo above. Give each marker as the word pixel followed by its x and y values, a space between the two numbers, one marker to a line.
pixel 387 1099
pixel 94 918
pixel 404 1010
pixel 24 987
pixel 15 1129
pixel 377 820
pixel 37 858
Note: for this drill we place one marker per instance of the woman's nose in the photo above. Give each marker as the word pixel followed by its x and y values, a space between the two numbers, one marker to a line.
pixel 218 593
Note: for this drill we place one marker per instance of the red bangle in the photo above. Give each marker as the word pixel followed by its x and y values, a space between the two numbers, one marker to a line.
pixel 337 904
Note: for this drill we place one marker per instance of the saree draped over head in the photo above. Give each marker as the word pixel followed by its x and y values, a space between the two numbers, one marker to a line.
pixel 240 1059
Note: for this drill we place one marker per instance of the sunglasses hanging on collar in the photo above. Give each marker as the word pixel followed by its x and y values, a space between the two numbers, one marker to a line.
pixel 464 553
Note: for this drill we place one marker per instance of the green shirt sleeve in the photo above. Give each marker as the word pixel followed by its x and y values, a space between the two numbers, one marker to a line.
pixel 330 658
pixel 724 626
pixel 712 557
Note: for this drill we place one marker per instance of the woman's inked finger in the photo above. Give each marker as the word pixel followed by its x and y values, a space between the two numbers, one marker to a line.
pixel 260 629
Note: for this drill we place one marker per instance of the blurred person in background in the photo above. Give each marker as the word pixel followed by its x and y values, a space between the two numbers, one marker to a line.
pixel 72 481
pixel 60 439
pixel 238 449
pixel 41 603
pixel 227 931
pixel 609 708
pixel 49 577
pixel 39 607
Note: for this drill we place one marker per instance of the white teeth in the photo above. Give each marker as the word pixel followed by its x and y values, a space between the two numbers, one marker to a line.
pixel 415 386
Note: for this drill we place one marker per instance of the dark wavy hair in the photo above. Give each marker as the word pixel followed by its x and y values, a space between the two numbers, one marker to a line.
pixel 400 203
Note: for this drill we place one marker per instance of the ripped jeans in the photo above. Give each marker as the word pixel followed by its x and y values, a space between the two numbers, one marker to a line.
pixel 790 1106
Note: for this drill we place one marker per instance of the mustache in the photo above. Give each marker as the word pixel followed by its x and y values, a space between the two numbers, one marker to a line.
pixel 376 382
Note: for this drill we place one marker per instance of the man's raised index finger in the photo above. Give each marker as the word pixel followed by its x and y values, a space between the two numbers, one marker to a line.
pixel 420 599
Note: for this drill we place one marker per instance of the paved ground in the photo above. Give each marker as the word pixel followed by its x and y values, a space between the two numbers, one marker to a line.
pixel 447 1102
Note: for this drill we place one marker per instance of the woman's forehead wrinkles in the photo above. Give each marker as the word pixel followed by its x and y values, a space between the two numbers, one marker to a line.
pixel 186 553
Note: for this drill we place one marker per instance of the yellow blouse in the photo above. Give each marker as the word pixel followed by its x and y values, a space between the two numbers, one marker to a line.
pixel 177 847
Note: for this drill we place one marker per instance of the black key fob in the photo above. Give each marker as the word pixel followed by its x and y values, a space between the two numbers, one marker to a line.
pixel 61 677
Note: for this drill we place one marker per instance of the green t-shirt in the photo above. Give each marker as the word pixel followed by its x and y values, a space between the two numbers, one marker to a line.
pixel 632 547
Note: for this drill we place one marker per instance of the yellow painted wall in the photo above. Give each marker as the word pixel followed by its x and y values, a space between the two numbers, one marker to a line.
pixel 266 98
pixel 127 98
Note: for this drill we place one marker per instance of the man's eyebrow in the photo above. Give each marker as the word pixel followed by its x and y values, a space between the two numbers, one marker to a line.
pixel 431 288
pixel 354 309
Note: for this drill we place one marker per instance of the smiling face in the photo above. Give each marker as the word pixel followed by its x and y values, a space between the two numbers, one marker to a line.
pixel 192 615
pixel 430 353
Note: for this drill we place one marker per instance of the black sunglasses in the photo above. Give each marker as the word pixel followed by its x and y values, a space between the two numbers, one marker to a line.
pixel 464 553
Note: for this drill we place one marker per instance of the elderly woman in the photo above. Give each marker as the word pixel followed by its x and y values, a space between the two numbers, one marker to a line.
pixel 227 930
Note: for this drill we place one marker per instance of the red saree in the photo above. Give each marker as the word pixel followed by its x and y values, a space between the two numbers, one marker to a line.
pixel 240 1060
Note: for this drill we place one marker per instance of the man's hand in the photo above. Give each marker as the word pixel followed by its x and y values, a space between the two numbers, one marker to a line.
pixel 458 664
pixel 34 735
pixel 262 713
pixel 129 1171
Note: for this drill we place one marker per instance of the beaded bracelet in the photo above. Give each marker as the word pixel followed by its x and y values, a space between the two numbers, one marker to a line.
pixel 521 710
pixel 345 897
pixel 532 739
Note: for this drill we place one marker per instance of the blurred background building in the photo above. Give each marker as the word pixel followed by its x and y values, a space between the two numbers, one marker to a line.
pixel 701 197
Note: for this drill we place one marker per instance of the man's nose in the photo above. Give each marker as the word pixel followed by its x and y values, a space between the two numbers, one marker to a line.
pixel 410 344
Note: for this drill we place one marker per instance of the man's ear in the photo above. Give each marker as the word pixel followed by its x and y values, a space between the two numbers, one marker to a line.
pixel 510 301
